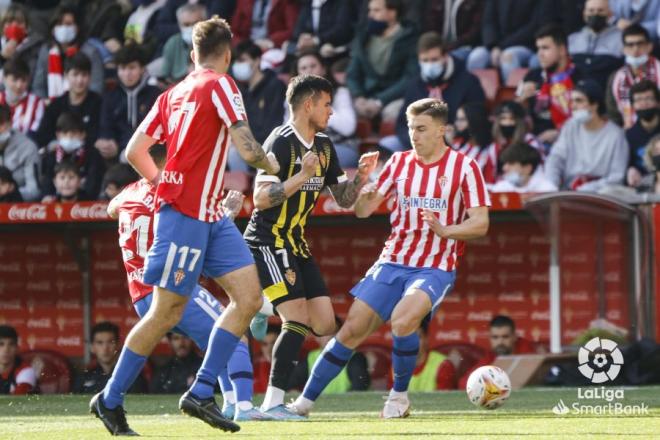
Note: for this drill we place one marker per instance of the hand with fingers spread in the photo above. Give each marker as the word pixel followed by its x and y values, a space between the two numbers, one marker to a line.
pixel 367 165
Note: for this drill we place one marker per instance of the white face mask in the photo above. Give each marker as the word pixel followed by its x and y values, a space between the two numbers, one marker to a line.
pixel 583 115
pixel 186 34
pixel 12 98
pixel 4 136
pixel 635 62
pixel 69 145
pixel 64 33
pixel 432 70
pixel 242 71
pixel 514 178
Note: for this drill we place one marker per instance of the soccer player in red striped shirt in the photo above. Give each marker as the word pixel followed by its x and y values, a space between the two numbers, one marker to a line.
pixel 195 119
pixel 441 201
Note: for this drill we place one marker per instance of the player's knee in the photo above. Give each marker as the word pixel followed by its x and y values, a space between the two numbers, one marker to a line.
pixel 349 335
pixel 403 325
pixel 249 304
pixel 324 328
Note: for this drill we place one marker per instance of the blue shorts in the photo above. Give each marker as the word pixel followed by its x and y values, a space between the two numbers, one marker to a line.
pixel 198 318
pixel 385 284
pixel 184 248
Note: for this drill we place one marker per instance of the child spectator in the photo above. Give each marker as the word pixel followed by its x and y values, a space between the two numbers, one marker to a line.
pixel 522 172
pixel 67 184
pixel 26 108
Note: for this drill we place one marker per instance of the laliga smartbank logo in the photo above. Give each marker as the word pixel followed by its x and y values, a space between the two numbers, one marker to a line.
pixel 600 361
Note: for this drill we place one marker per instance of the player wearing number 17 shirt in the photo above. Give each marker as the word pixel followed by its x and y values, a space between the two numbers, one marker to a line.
pixel 195 119
pixel 441 200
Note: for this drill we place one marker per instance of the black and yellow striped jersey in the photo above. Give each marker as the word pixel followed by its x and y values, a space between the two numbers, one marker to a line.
pixel 283 226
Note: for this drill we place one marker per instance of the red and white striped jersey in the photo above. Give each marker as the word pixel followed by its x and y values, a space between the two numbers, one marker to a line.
pixel 135 206
pixel 193 120
pixel 27 113
pixel 448 187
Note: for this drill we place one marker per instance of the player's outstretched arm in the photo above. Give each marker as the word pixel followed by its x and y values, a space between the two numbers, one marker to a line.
pixel 474 227
pixel 346 193
pixel 250 150
pixel 368 200
pixel 137 154
pixel 269 194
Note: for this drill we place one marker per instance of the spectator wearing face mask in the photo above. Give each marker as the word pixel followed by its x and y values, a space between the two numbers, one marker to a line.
pixel 70 146
pixel 640 65
pixel 176 53
pixel 651 182
pixel 645 98
pixel 597 49
pixel 522 172
pixel 26 108
pixel 591 151
pixel 263 96
pixel 18 38
pixel 19 155
pixel 440 76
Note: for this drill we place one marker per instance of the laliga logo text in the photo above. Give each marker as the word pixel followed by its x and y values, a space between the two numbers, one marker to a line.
pixel 600 361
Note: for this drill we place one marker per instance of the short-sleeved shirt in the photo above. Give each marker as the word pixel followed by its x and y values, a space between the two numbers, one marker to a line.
pixel 283 226
pixel 193 120
pixel 449 187
pixel 136 234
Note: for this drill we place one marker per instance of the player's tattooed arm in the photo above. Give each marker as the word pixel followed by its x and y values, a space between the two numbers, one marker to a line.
pixel 276 194
pixel 346 193
pixel 250 150
pixel 268 194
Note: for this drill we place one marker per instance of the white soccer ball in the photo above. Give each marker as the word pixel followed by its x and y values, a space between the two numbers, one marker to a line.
pixel 488 387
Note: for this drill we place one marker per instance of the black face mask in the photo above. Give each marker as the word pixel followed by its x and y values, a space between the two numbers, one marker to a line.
pixel 647 114
pixel 597 22
pixel 656 161
pixel 463 134
pixel 508 130
pixel 376 27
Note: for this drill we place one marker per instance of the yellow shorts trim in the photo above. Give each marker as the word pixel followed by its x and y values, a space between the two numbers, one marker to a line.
pixel 276 291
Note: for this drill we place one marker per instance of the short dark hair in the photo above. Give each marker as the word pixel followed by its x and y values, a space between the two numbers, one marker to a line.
pixel 68 122
pixel 6 175
pixel 635 29
pixel 79 61
pixel 120 175
pixel 211 38
pixel 9 332
pixel 130 53
pixel 503 321
pixel 644 86
pixel 435 108
pixel 66 166
pixel 103 327
pixel 554 31
pixel 521 153
pixel 16 67
pixel 430 40
pixel 5 113
pixel 302 87
pixel 249 48
pixel 158 153
pixel 397 5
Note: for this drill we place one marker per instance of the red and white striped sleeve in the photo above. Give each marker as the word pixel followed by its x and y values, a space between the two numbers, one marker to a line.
pixel 228 101
pixel 152 125
pixel 473 187
pixel 385 182
pixel 40 106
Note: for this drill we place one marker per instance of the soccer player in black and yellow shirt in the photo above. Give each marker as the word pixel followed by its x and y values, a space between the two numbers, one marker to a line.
pixel 290 277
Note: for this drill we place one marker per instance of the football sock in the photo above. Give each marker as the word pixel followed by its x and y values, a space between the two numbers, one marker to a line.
pixel 226 387
pixel 240 373
pixel 335 356
pixel 404 358
pixel 221 347
pixel 285 354
pixel 129 365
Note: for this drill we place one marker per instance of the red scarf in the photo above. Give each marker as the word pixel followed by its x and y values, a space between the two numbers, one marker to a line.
pixel 555 94
pixel 57 84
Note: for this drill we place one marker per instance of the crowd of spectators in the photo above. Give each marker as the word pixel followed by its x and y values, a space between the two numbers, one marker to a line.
pixel 78 76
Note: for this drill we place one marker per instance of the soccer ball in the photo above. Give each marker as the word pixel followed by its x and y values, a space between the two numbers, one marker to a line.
pixel 488 387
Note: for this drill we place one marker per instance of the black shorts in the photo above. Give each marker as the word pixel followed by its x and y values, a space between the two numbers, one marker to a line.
pixel 285 276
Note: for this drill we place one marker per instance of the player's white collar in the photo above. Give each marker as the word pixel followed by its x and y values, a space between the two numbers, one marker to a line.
pixel 300 138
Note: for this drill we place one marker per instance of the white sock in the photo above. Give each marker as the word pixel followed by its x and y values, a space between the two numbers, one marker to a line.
pixel 229 398
pixel 303 404
pixel 245 405
pixel 267 308
pixel 274 396
pixel 395 394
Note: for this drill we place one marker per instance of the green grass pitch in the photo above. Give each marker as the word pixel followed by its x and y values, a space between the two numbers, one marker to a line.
pixel 527 415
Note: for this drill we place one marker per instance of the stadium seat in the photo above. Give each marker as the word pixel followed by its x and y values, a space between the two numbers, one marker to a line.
pixel 52 369
pixel 490 82
pixel 515 77
pixel 469 354
pixel 238 180
pixel 378 360
pixel 363 129
pixel 387 129
pixel 505 94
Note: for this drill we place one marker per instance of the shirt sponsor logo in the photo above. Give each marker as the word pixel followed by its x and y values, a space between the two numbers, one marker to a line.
pixel 313 184
pixel 434 204
pixel 172 177
pixel 136 275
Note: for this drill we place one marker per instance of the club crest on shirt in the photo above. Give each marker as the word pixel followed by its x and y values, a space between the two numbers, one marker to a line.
pixel 290 276
pixel 179 275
